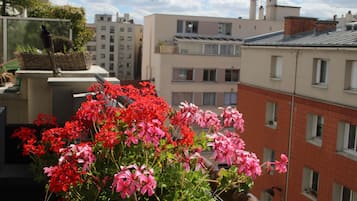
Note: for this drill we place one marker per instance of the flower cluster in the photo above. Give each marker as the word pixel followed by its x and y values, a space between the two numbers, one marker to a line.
pixel 128 143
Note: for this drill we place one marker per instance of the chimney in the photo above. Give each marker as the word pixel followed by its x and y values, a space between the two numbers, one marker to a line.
pixel 349 16
pixel 253 8
pixel 261 13
pixel 323 26
pixel 295 25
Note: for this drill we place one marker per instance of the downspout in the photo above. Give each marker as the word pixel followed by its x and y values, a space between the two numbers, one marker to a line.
pixel 291 123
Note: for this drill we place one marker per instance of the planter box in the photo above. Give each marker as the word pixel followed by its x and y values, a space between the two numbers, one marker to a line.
pixel 68 61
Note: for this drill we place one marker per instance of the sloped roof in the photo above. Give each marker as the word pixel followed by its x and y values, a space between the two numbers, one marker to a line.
pixel 340 38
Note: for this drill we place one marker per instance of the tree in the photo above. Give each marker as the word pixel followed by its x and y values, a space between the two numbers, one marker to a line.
pixel 81 34
pixel 19 5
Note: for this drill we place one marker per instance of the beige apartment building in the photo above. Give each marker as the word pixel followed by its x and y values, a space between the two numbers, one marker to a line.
pixel 298 94
pixel 113 47
pixel 197 58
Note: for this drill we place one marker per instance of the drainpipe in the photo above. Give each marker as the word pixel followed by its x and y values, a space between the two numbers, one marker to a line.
pixel 291 123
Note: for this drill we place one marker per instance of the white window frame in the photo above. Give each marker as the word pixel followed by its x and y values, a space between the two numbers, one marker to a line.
pixel 276 67
pixel 312 129
pixel 271 114
pixel 338 191
pixel 229 100
pixel 210 96
pixel 269 155
pixel 318 71
pixel 307 183
pixel 347 139
pixel 353 82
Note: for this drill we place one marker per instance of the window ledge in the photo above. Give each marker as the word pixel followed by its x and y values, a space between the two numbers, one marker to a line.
pixel 321 86
pixel 275 78
pixel 271 126
pixel 309 195
pixel 315 141
pixel 351 91
pixel 348 155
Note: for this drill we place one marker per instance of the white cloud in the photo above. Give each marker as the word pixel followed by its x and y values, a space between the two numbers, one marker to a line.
pixel 322 9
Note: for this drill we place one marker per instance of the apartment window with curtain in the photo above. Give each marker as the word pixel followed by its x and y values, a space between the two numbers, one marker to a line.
pixel 178 97
pixel 209 75
pixel 320 72
pixel 182 74
pixel 310 182
pixel 343 193
pixel 209 98
pixel 276 67
pixel 314 129
pixel 232 75
pixel 351 76
pixel 227 50
pixel 271 114
pixel 225 28
pixel 102 37
pixel 347 138
pixel 211 49
pixel 230 98
pixel 112 29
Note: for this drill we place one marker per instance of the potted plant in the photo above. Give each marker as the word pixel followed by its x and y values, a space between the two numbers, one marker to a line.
pixel 126 143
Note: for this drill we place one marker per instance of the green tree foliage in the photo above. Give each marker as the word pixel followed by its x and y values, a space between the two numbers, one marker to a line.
pixel 81 34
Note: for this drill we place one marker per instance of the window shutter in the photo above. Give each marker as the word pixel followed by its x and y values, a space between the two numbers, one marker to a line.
pixel 354 75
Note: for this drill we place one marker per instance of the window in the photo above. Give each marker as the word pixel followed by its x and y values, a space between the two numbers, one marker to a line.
pixel 209 75
pixel 111 57
pixel 111 48
pixel 102 65
pixel 269 155
pixel 310 182
pixel 271 114
pixel 112 38
pixel 111 66
pixel 276 67
pixel 91 48
pixel 102 37
pixel 343 193
pixel 103 28
pixel 314 128
pixel 102 46
pixel 191 27
pixel 232 75
pixel 225 28
pixel 230 98
pixel 178 97
pixel 226 50
pixel 112 30
pixel 122 29
pixel 351 75
pixel 211 49
pixel 102 56
pixel 209 98
pixel 130 38
pixel 121 38
pixel 237 50
pixel 130 29
pixel 347 138
pixel 94 57
pixel 320 72
pixel 182 74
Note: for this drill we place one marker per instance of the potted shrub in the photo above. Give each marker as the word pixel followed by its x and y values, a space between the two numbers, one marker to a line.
pixel 146 150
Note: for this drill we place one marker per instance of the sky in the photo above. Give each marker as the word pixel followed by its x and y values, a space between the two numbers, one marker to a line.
pixel 322 9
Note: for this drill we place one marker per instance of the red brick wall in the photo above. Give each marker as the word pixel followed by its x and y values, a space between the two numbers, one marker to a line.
pixel 295 25
pixel 252 103
pixel 323 26
pixel 332 167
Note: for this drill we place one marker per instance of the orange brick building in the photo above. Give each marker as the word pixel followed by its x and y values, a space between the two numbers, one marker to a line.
pixel 298 96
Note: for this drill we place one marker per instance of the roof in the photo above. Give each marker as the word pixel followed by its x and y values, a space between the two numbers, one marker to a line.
pixel 340 38
pixel 206 37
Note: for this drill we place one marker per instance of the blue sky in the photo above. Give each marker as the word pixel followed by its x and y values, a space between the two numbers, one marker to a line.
pixel 322 9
